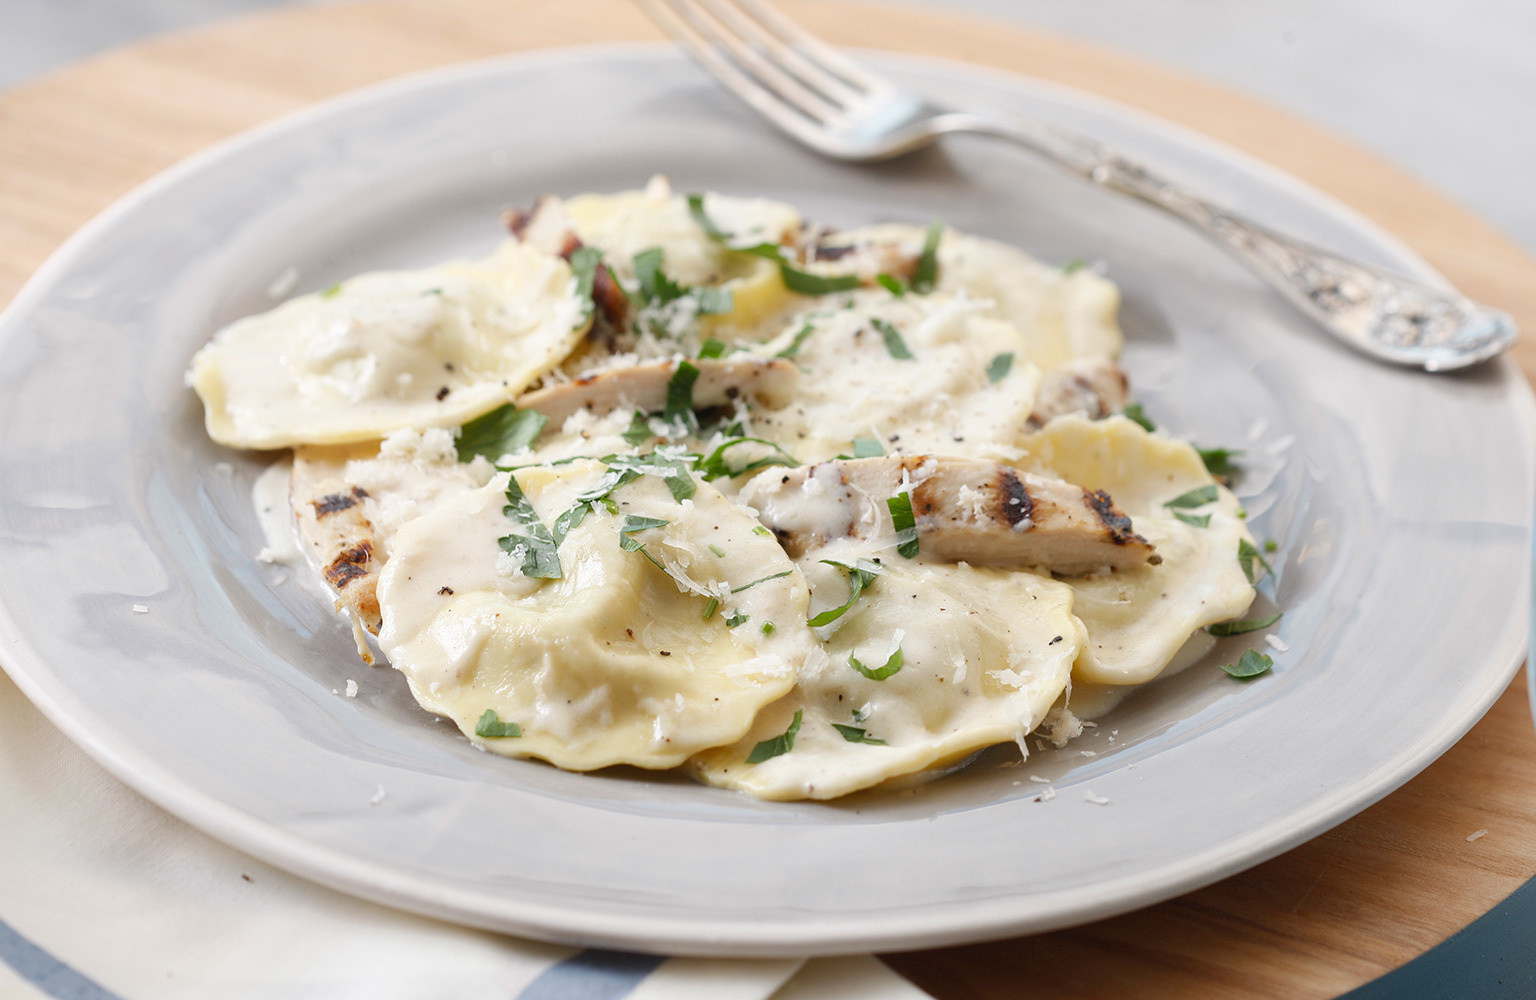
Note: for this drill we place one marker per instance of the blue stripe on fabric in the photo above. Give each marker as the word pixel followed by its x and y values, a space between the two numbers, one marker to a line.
pixel 45 972
pixel 592 975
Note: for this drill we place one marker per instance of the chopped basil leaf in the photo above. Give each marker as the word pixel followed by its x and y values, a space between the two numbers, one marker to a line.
pixel 491 727
pixel 679 408
pixel 696 209
pixel 779 745
pixel 535 546
pixel 860 575
pixel 672 470
pixel 1194 498
pixel 892 284
pixel 638 522
pixel 584 263
pixel 998 369
pixel 639 429
pixel 761 579
pixel 807 283
pixel 1252 664
pixel 905 522
pixel 712 301
pixel 767 628
pixel 506 430
pixel 926 273
pixel 711 607
pixel 1218 461
pixel 1249 559
pixel 893 342
pixel 714 465
pixel 1194 520
pixel 853 734
pixel 331 292
pixel 867 448
pixel 799 341
pixel 1135 414
pixel 712 348
pixel 892 666
pixel 655 286
pixel 1239 626
pixel 718 551
pixel 736 619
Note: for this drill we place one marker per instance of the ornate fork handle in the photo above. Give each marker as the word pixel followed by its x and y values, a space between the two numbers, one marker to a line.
pixel 1380 313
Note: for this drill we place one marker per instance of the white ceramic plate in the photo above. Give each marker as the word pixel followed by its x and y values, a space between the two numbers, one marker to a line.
pixel 1400 502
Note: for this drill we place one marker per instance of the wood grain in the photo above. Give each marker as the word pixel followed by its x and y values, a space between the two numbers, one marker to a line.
pixel 1321 919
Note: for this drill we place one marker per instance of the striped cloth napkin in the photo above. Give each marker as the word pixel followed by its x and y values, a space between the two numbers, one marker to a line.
pixel 103 896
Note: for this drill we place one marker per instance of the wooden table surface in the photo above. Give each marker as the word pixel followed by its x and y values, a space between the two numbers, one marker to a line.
pixel 1327 916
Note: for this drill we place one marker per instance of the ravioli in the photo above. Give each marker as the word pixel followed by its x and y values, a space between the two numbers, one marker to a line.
pixel 637 657
pixel 391 349
pixel 1138 618
pixel 983 655
pixel 919 374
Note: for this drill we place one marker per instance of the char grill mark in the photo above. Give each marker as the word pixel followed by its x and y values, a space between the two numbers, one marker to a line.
pixel 1018 506
pixel 334 502
pixel 352 563
pixel 1115 523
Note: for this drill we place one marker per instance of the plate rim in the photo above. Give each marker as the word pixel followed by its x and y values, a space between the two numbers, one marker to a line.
pixel 981 919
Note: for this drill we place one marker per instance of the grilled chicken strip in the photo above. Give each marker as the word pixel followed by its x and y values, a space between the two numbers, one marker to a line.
pixel 1092 387
pixel 967 510
pixel 348 501
pixel 644 387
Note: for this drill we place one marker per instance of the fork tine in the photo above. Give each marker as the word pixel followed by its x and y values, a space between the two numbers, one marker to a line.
pixel 719 36
pixel 732 77
pixel 831 60
pixel 746 24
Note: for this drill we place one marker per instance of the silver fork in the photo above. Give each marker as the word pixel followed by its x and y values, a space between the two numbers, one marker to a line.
pixel 833 105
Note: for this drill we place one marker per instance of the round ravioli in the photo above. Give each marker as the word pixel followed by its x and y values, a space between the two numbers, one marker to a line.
pixel 1139 618
pixel 388 350
pixel 920 374
pixel 1063 313
pixel 641 637
pixel 932 663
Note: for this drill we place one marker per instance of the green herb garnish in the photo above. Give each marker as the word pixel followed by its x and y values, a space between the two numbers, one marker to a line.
pixel 892 666
pixel 893 342
pixel 717 550
pixel 736 619
pixel 1218 461
pixel 926 273
pixel 1198 497
pixel 767 628
pixel 714 465
pixel 535 546
pixel 1194 520
pixel 1271 546
pixel 905 523
pixel 1252 664
pixel 712 348
pixel 492 728
pixel 506 430
pixel 1249 559
pixel 761 579
pixel 806 283
pixel 1135 414
pixel 799 341
pixel 711 608
pixel 867 448
pixel 1239 626
pixel 860 575
pixel 679 407
pixel 781 744
pixel 998 369
pixel 673 470
pixel 584 263
pixel 1077 264
pixel 892 284
pixel 639 429
pixel 331 291
pixel 853 734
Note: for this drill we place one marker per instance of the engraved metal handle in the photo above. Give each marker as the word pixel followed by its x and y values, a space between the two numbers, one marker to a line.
pixel 1380 313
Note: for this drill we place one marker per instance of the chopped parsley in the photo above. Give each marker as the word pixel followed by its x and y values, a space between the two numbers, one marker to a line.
pixel 893 342
pixel 491 727
pixel 1194 520
pixel 672 469
pixel 1198 497
pixel 860 575
pixel 535 546
pixel 712 348
pixel 926 274
pixel 655 287
pixel 696 209
pixel 998 369
pixel 892 284
pixel 1239 626
pixel 794 279
pixel 905 522
pixel 1254 565
pixel 584 263
pixel 639 429
pixel 853 734
pixel 799 340
pixel 1252 664
pixel 679 407
pixel 735 619
pixel 506 430
pixel 779 745
pixel 1137 415
pixel 715 466
pixel 891 668
pixel 1218 461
